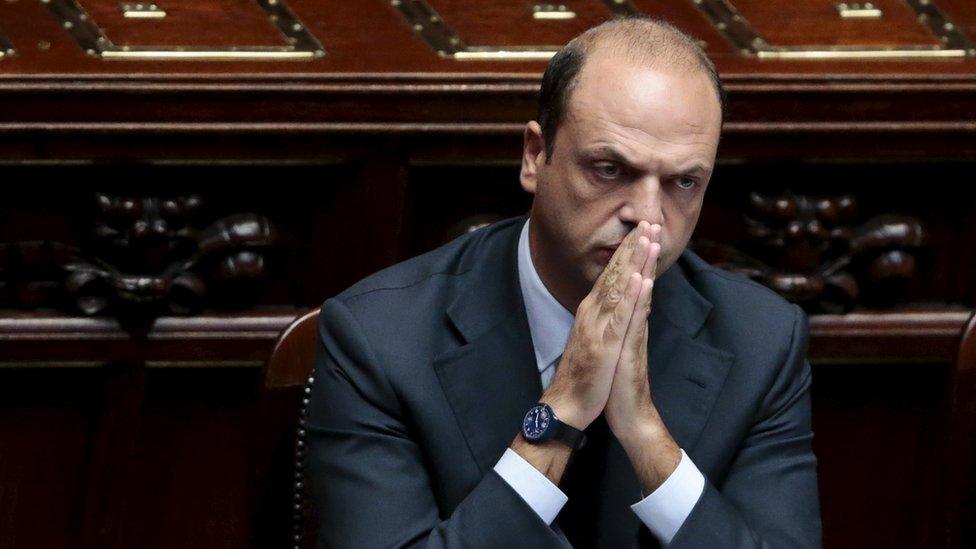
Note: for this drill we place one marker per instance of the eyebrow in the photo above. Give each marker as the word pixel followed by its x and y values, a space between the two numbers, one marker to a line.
pixel 695 169
pixel 608 152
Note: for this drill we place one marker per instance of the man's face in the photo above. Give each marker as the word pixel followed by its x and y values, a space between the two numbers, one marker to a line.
pixel 635 143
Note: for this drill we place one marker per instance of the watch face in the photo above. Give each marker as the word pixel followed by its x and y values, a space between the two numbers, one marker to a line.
pixel 536 423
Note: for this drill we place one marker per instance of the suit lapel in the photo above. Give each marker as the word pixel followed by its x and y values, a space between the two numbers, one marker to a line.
pixel 686 373
pixel 490 384
pixel 492 379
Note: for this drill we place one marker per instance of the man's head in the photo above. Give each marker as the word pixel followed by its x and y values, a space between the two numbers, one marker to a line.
pixel 628 128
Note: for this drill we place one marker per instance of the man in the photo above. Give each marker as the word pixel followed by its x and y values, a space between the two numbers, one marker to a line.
pixel 698 413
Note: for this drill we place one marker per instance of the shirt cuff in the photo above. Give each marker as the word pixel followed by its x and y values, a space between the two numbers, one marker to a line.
pixel 544 497
pixel 665 510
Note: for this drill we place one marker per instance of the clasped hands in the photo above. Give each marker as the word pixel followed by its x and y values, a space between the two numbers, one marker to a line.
pixel 604 367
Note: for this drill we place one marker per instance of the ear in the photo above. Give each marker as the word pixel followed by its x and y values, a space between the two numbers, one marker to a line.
pixel 533 156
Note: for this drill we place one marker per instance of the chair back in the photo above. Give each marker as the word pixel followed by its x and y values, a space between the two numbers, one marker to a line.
pixel 961 499
pixel 285 518
pixel 291 361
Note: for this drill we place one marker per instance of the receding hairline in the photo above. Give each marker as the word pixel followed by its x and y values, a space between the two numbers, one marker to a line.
pixel 640 36
pixel 647 43
pixel 640 41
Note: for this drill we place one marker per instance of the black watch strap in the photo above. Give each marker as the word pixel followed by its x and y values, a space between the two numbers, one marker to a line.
pixel 569 435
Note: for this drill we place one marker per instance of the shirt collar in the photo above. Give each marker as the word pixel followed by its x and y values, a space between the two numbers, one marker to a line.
pixel 549 322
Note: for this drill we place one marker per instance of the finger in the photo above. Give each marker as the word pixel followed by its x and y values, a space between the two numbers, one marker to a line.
pixel 634 339
pixel 649 269
pixel 619 320
pixel 614 292
pixel 611 273
pixel 654 232
pixel 614 270
pixel 623 248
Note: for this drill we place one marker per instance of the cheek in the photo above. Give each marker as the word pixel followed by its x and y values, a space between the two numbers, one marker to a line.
pixel 687 202
pixel 581 195
pixel 684 213
pixel 560 189
pixel 680 220
pixel 584 207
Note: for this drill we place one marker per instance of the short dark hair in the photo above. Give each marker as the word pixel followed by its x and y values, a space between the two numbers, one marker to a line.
pixel 562 72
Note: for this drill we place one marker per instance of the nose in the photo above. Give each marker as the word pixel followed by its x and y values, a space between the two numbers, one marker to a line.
pixel 643 202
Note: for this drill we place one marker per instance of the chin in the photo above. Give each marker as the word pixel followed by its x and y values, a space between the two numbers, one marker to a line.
pixel 663 265
pixel 593 271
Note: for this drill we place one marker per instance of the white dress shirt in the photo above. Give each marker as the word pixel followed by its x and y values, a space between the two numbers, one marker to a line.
pixel 665 509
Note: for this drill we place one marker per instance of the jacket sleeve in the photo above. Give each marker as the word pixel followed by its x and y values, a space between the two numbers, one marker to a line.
pixel 366 474
pixel 769 496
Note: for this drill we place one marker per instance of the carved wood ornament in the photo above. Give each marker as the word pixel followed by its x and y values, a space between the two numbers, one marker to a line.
pixel 812 251
pixel 146 256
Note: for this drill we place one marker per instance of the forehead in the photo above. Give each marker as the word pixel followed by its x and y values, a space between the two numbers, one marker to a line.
pixel 666 112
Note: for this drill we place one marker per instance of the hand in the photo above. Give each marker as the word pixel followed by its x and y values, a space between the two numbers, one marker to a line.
pixel 629 404
pixel 581 386
pixel 630 412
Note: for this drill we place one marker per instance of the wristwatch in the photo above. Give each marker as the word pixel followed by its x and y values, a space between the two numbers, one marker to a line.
pixel 541 424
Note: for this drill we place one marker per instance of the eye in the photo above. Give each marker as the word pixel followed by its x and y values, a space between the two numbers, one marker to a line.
pixel 607 170
pixel 686 183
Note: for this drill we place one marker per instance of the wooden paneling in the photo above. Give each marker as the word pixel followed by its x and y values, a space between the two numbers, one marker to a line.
pixel 819 23
pixel 228 23
pixel 181 454
pixel 375 37
pixel 46 420
pixel 507 24
pixel 878 435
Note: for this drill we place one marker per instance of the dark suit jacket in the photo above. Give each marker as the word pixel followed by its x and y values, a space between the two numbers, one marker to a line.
pixel 425 370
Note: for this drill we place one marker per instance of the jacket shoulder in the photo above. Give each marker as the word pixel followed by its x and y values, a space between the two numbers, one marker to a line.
pixel 402 310
pixel 456 258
